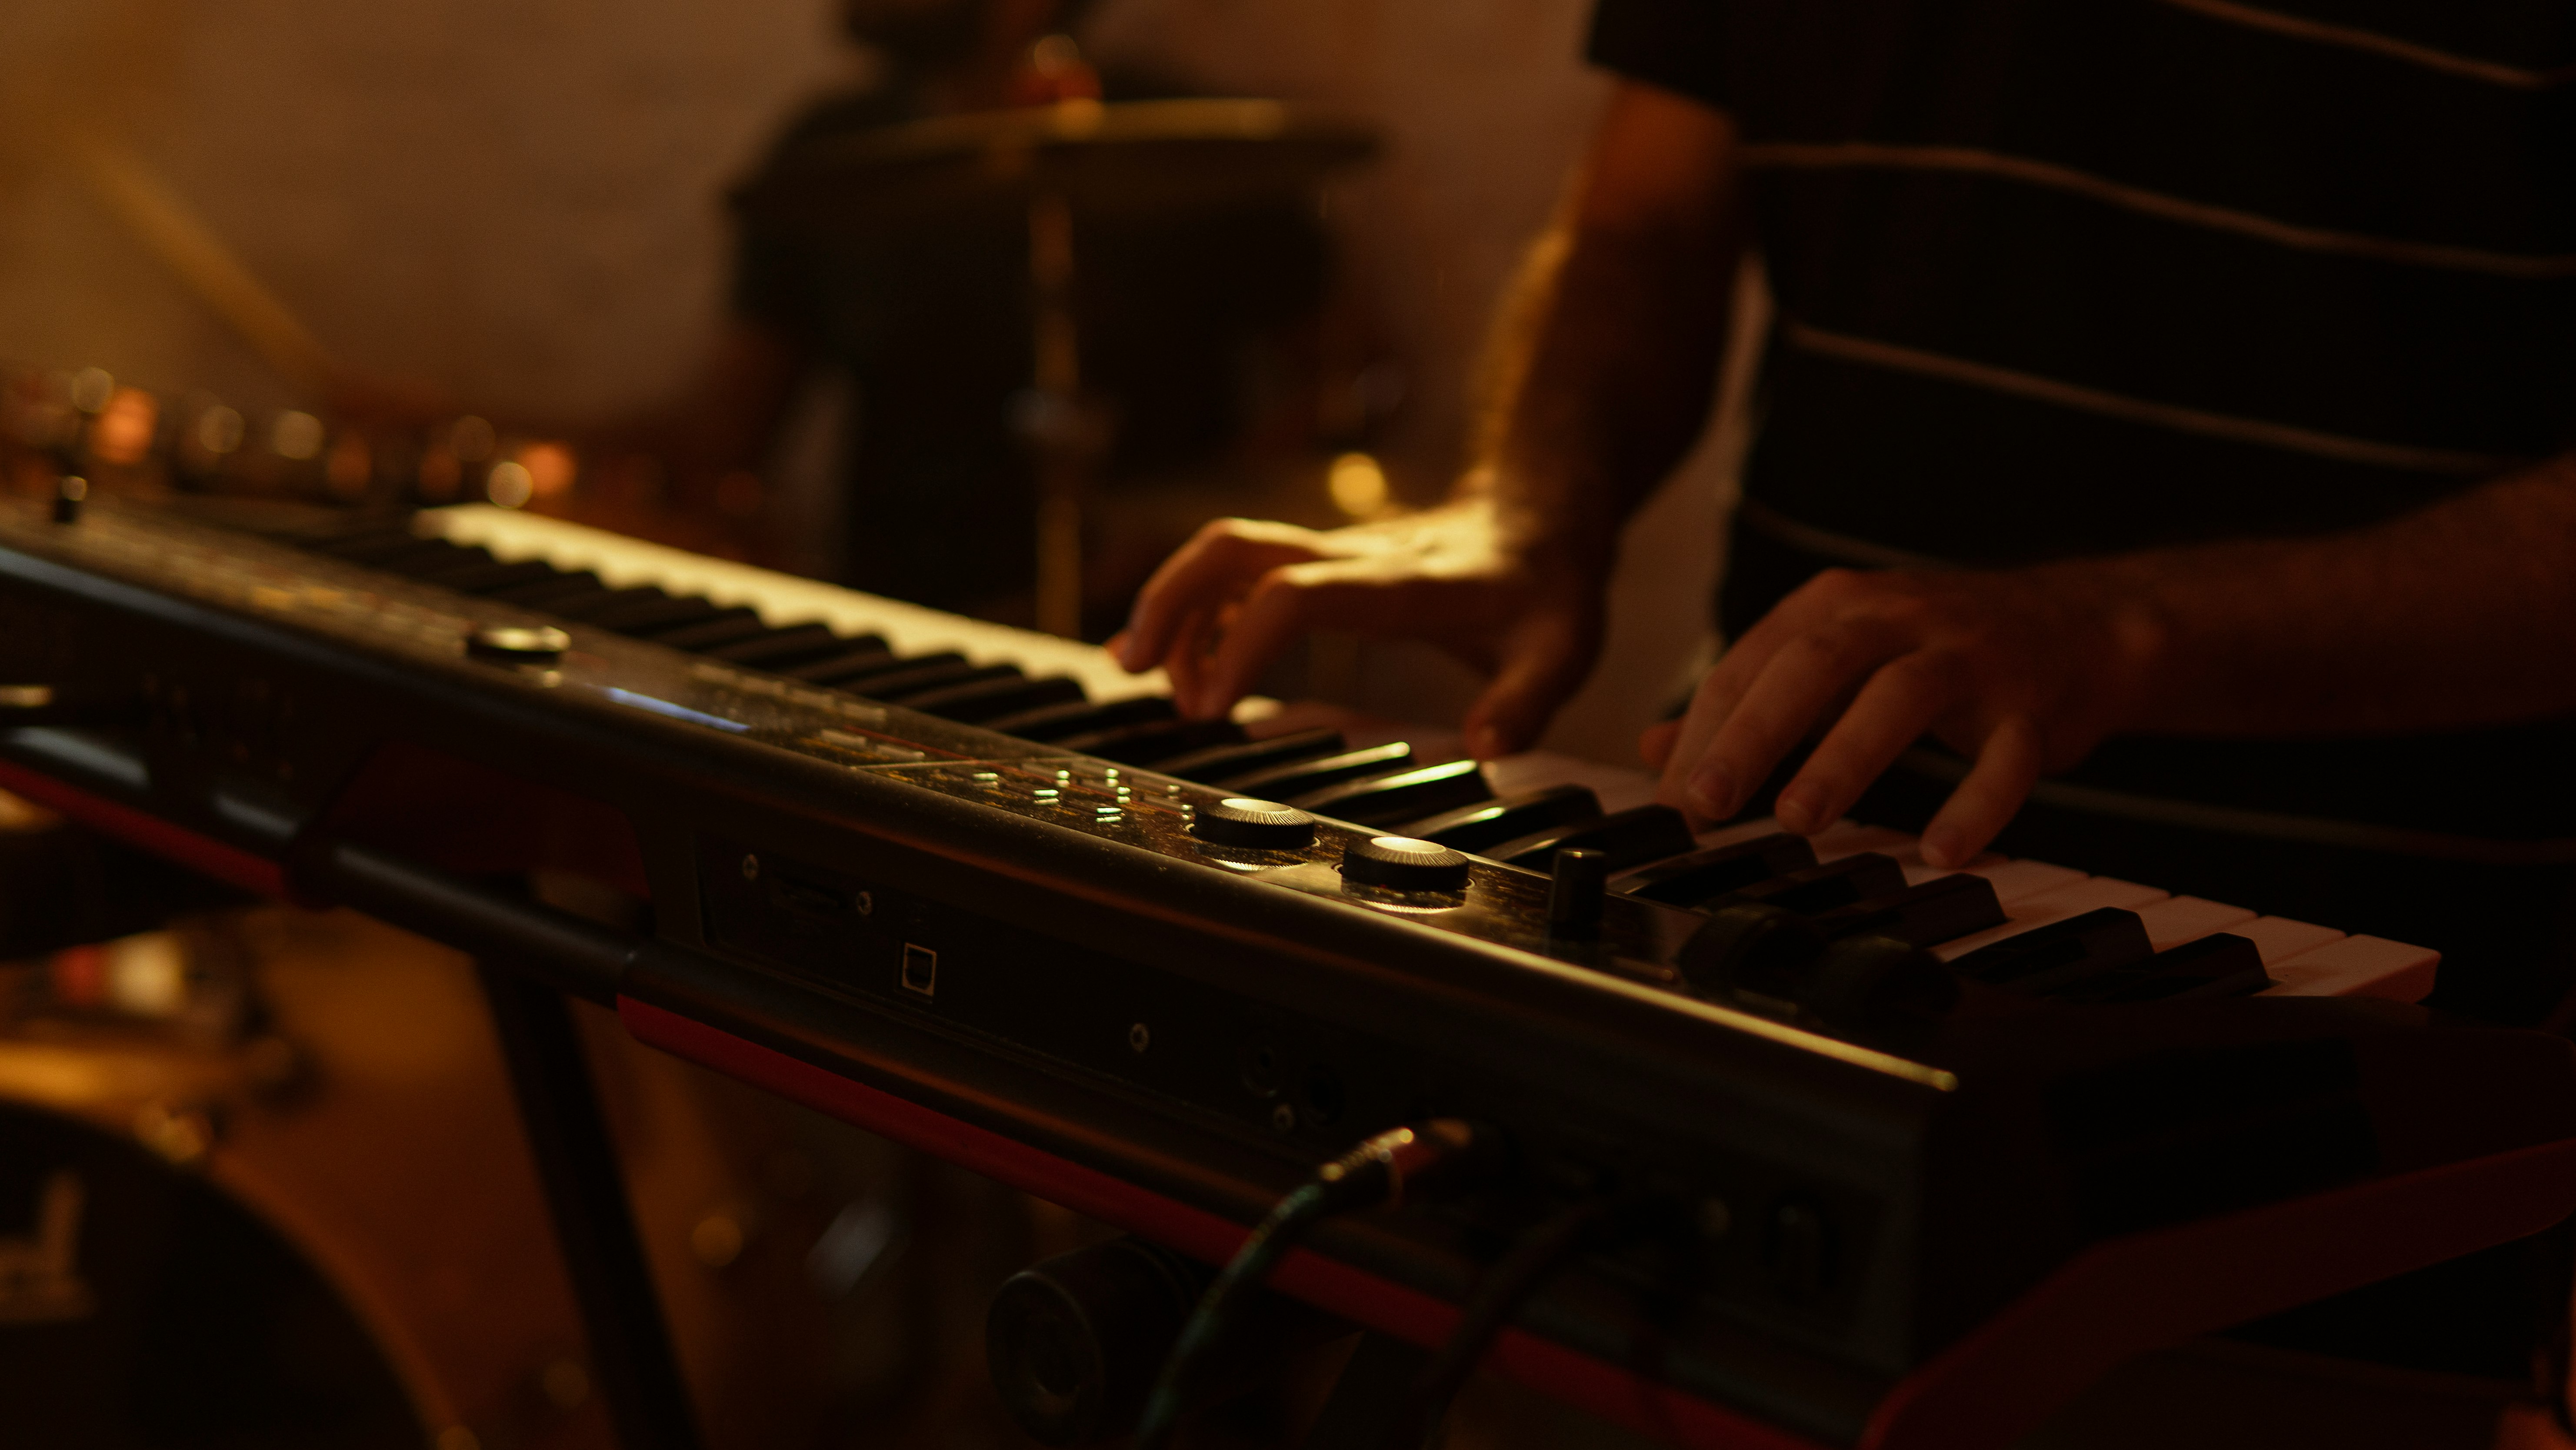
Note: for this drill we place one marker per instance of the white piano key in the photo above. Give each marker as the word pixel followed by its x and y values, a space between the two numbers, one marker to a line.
pixel 2278 938
pixel 2016 880
pixel 2180 919
pixel 1617 789
pixel 1752 830
pixel 2089 893
pixel 1916 873
pixel 2358 966
pixel 621 562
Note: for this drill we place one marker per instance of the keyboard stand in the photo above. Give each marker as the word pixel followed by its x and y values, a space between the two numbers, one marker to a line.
pixel 594 1223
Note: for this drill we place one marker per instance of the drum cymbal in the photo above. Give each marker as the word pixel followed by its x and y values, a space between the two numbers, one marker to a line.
pixel 1142 159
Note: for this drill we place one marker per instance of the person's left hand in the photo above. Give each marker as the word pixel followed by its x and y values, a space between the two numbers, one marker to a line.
pixel 2019 671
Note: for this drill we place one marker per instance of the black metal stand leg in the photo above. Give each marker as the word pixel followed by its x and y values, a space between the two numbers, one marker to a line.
pixel 1369 1393
pixel 630 1348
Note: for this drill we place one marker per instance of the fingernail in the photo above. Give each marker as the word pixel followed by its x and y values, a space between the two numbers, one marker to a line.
pixel 1944 847
pixel 1798 811
pixel 1712 793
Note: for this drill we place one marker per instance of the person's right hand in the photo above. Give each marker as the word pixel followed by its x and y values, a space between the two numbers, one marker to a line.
pixel 1525 611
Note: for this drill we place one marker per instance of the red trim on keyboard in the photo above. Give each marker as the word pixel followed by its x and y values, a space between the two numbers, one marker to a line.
pixel 1615 1394
pixel 228 864
pixel 2117 1300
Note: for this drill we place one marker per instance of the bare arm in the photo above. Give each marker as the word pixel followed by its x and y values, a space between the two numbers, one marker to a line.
pixel 1605 356
pixel 2460 614
pixel 1599 377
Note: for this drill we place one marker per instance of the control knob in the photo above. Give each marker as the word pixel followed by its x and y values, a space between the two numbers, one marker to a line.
pixel 1401 863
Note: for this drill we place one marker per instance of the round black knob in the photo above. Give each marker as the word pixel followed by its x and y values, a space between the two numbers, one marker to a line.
pixel 1255 825
pixel 510 644
pixel 1575 891
pixel 1751 947
pixel 1404 864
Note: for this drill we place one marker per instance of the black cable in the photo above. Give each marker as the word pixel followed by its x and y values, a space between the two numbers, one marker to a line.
pixel 1380 1170
pixel 1504 1290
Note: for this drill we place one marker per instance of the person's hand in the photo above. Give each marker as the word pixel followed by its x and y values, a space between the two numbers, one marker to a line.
pixel 2020 672
pixel 1528 613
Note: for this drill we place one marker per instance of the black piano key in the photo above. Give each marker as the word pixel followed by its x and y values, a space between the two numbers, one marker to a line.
pixel 901 672
pixel 1629 838
pixel 1399 795
pixel 359 545
pixel 1490 823
pixel 2219 965
pixel 903 686
pixel 389 550
pixel 1945 908
pixel 2059 955
pixel 612 602
pixel 777 649
pixel 1059 722
pixel 863 656
pixel 1877 981
pixel 973 704
pixel 1215 763
pixel 551 590
pixel 1704 876
pixel 1298 777
pixel 643 611
pixel 1153 742
pixel 724 627
pixel 432 559
pixel 487 578
pixel 1815 890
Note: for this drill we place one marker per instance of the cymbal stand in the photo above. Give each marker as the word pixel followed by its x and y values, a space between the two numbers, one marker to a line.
pixel 1063 433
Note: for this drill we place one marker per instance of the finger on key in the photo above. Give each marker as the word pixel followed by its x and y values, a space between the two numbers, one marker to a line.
pixel 1656 744
pixel 1218 565
pixel 1546 667
pixel 2007 766
pixel 1186 664
pixel 1285 603
pixel 1900 702
pixel 1715 699
pixel 1784 706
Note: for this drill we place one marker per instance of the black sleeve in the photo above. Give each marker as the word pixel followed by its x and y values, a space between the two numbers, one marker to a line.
pixel 1675 44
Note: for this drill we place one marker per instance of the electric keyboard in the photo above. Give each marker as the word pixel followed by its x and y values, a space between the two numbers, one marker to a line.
pixel 1932 1150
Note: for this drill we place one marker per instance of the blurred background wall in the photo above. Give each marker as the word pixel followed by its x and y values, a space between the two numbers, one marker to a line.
pixel 519 201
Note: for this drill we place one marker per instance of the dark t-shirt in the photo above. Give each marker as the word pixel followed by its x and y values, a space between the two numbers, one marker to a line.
pixel 2065 277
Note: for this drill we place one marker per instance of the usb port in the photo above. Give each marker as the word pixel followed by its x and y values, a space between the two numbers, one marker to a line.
pixel 920 969
pixel 807 897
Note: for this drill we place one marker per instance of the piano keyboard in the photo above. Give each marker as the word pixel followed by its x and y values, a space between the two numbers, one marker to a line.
pixel 2299 958
pixel 1916 1170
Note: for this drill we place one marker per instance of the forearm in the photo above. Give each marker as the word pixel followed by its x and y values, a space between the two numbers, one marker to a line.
pixel 1604 360
pixel 2458 615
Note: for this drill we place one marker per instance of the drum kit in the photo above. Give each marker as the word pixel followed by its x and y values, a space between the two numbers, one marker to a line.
pixel 1050 168
pixel 260 1176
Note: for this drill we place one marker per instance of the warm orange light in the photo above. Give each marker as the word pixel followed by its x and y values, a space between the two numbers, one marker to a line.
pixel 123 433
pixel 1358 485
pixel 551 468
